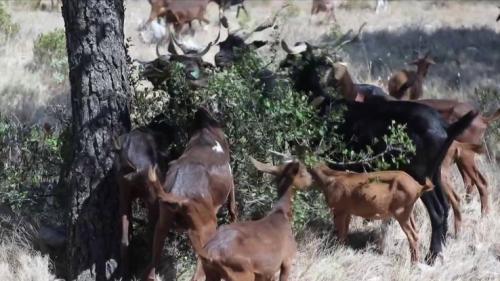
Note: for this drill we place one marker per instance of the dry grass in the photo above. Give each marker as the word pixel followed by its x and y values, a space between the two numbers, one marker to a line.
pixel 464 38
pixel 471 256
pixel 18 260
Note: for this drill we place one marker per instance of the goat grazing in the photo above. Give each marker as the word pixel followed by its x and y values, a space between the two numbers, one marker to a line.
pixel 203 175
pixel 251 250
pixel 377 195
pixel 408 84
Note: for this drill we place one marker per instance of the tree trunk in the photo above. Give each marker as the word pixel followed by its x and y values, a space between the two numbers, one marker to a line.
pixel 99 99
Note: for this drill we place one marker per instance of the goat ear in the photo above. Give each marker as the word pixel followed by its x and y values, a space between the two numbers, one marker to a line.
pixel 266 168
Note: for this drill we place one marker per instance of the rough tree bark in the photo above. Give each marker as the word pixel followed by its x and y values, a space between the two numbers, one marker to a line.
pixel 99 99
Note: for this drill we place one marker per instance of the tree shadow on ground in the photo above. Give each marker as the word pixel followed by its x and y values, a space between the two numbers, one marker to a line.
pixel 369 238
pixel 465 57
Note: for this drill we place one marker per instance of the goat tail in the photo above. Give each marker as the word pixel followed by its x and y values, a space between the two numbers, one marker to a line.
pixel 458 127
pixel 453 131
pixel 492 118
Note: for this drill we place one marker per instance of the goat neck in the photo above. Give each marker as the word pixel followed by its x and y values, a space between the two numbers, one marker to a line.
pixel 285 197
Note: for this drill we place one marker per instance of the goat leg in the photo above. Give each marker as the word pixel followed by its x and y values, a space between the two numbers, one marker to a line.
pixel 198 240
pixel 231 205
pixel 161 231
pixel 454 200
pixel 437 215
pixel 126 229
pixel 340 223
pixel 406 225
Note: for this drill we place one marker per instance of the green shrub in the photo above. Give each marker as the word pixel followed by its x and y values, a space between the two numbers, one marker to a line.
pixel 30 161
pixel 257 123
pixel 8 28
pixel 49 52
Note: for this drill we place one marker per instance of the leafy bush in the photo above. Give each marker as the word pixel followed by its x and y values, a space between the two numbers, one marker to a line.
pixel 257 123
pixel 488 99
pixel 8 28
pixel 30 163
pixel 49 52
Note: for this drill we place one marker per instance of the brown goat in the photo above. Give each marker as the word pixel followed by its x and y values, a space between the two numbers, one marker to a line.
pixel 178 12
pixel 463 155
pixel 251 250
pixel 203 175
pixel 408 84
pixel 136 151
pixel 326 6
pixel 377 195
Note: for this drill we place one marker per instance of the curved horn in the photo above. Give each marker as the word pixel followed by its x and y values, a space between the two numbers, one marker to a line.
pixel 172 37
pixel 285 47
pixel 286 157
pixel 295 50
pixel 171 48
pixel 186 51
pixel 158 49
pixel 266 168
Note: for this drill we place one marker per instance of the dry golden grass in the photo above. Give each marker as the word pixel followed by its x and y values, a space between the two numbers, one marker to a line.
pixel 393 36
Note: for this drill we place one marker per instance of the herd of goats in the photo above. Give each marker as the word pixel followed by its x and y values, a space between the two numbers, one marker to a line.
pixel 186 192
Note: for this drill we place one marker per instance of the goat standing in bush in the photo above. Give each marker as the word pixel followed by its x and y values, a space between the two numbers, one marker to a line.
pixel 408 84
pixel 252 250
pixel 377 195
pixel 136 152
pixel 203 175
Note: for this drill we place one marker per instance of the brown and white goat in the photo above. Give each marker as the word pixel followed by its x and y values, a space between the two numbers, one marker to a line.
pixel 463 154
pixel 408 84
pixel 203 175
pixel 377 195
pixel 252 250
